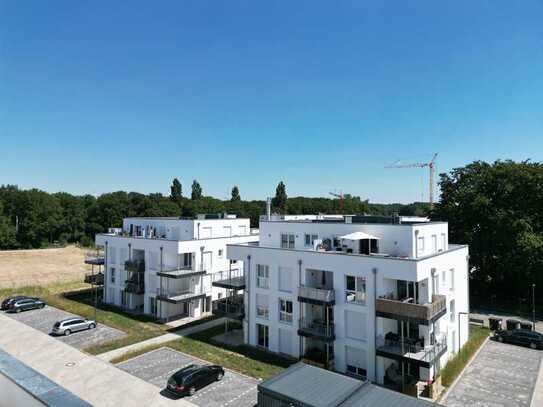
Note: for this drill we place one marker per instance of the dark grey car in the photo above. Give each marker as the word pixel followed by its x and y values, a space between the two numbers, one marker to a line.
pixel 25 304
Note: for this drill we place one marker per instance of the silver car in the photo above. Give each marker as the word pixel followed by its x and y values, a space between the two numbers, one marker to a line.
pixel 74 324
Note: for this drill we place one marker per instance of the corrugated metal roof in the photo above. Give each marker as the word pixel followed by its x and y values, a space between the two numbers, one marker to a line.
pixel 312 386
pixel 315 387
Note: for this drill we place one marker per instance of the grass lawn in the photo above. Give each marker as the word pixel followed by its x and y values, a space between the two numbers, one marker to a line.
pixel 137 328
pixel 244 359
pixel 454 367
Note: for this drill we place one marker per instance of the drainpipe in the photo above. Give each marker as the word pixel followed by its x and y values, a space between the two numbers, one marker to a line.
pixel 374 270
pixel 105 272
pixel 300 339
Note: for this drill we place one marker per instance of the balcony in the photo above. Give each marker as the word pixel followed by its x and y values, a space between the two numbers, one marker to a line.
pixel 135 266
pixel 313 328
pixel 421 313
pixel 179 272
pixel 135 286
pixel 411 351
pixel 178 296
pixel 230 279
pixel 96 278
pixel 95 258
pixel 318 296
pixel 230 307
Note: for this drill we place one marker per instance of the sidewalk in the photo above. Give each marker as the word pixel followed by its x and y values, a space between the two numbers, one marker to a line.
pixel 537 397
pixel 172 336
pixel 91 379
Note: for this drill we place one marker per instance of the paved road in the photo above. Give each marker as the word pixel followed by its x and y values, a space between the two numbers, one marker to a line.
pixel 501 375
pixel 157 366
pixel 44 319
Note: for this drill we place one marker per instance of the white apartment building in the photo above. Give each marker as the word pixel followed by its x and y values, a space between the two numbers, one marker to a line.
pixel 379 298
pixel 171 267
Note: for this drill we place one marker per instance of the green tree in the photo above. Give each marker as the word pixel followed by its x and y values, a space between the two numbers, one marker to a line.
pixel 235 194
pixel 7 231
pixel 280 200
pixel 176 192
pixel 196 191
pixel 496 209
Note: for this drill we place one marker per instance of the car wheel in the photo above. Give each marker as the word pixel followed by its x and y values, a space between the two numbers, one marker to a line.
pixel 500 339
pixel 192 390
pixel 18 310
pixel 219 377
pixel 67 332
pixel 92 326
pixel 533 345
pixel 42 306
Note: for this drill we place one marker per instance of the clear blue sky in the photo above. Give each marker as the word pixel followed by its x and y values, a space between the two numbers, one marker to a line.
pixel 106 95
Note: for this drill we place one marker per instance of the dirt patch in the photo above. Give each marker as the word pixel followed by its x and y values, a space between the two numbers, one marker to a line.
pixel 41 266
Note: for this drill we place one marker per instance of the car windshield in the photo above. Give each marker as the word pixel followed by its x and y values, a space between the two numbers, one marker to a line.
pixel 57 324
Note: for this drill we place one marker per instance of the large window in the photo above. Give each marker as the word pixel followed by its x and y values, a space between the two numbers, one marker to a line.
pixel 112 274
pixel 287 241
pixel 262 276
pixel 262 308
pixel 187 260
pixel 310 239
pixel 355 290
pixel 356 362
pixel 263 335
pixel 453 311
pixel 285 311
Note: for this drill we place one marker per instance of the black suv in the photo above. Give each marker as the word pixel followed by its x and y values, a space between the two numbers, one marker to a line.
pixel 187 380
pixel 10 300
pixel 25 304
pixel 523 337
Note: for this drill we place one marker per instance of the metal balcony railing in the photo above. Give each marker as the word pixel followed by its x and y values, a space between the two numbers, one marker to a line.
pixel 316 327
pixel 135 286
pixel 316 294
pixel 233 279
pixel 96 258
pixel 413 351
pixel 407 309
pixel 135 266
pixel 231 306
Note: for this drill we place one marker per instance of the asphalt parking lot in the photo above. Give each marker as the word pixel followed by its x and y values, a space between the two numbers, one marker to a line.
pixel 44 319
pixel 157 366
pixel 501 375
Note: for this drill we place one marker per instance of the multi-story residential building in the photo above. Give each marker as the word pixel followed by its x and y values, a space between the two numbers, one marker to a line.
pixel 380 298
pixel 171 267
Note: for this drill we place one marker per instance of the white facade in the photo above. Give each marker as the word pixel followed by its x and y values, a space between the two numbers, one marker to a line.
pixel 164 267
pixel 310 292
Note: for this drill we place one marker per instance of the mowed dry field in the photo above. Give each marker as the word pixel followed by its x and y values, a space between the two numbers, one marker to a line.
pixel 20 268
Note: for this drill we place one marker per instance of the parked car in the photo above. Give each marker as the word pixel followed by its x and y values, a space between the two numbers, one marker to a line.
pixel 25 304
pixel 73 324
pixel 193 377
pixel 6 303
pixel 523 337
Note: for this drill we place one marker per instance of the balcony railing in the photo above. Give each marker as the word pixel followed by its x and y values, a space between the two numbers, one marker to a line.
pixel 135 286
pixel 316 328
pixel 313 294
pixel 232 279
pixel 409 350
pixel 230 307
pixel 95 258
pixel 96 278
pixel 422 312
pixel 177 296
pixel 135 266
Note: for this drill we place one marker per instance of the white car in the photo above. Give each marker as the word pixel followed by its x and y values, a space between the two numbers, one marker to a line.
pixel 74 324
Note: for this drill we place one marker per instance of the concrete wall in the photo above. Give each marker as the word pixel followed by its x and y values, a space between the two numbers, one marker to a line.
pixel 11 394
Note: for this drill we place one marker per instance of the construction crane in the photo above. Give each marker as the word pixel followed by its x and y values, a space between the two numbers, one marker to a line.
pixel 341 199
pixel 432 168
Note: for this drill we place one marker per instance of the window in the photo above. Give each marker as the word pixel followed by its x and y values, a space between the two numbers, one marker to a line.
pixel 357 371
pixel 187 260
pixel 287 241
pixel 262 276
pixel 152 305
pixel 285 279
pixel 285 311
pixel 420 246
pixel 112 275
pixel 309 239
pixel 262 308
pixel 220 253
pixel 355 361
pixel 355 290
pixel 451 272
pixel 434 243
pixel 453 312
pixel 263 335
pixel 444 241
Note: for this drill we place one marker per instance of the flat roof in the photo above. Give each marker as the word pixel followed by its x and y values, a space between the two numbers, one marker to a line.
pixel 312 386
pixel 342 222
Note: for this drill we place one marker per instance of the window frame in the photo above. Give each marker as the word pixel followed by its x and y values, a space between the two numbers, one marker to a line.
pixel 284 301
pixel 356 290
pixel 263 281
pixel 288 240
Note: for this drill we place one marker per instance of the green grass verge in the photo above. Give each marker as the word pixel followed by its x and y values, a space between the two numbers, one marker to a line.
pixel 454 367
pixel 244 359
pixel 43 290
